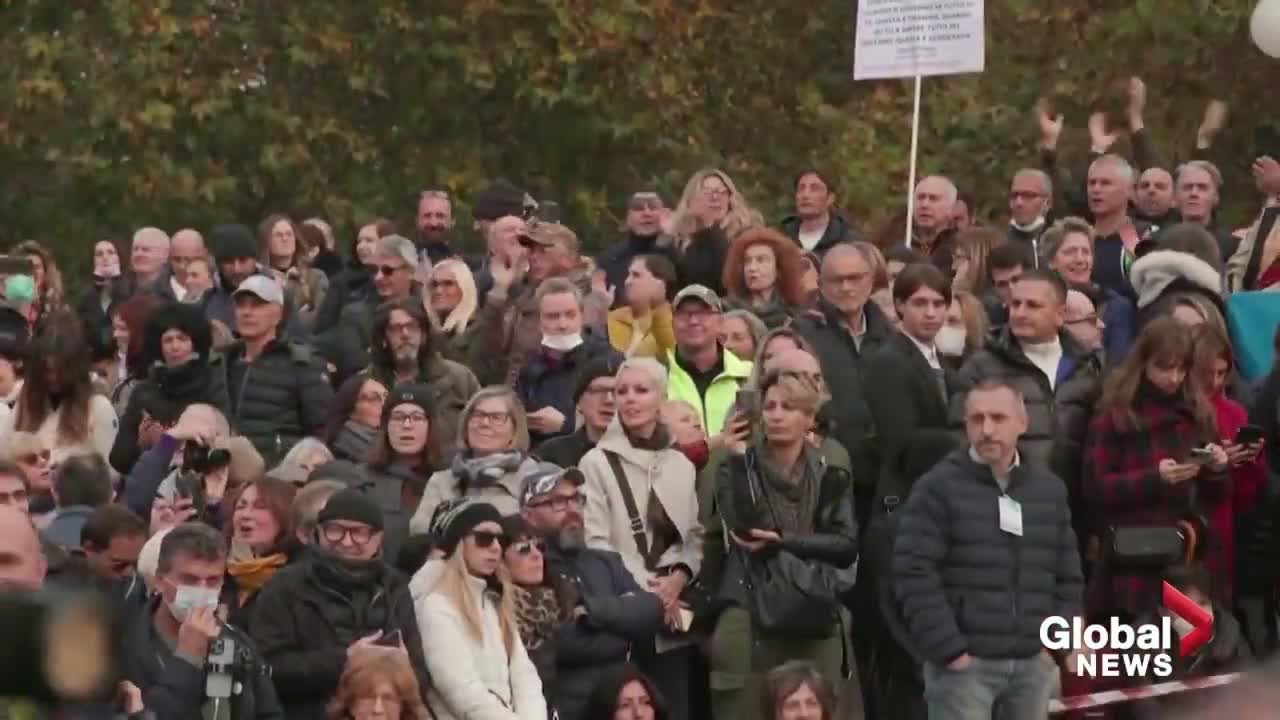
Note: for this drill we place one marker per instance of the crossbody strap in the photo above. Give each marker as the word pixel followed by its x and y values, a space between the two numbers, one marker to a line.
pixel 633 510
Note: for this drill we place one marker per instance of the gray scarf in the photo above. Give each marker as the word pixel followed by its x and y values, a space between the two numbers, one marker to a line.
pixel 791 500
pixel 484 470
pixel 353 440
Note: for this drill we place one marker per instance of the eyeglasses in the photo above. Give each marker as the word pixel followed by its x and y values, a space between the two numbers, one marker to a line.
pixel 390 270
pixel 372 397
pixel 557 503
pixel 480 417
pixel 34 458
pixel 486 539
pixel 359 534
pixel 526 547
pixel 409 418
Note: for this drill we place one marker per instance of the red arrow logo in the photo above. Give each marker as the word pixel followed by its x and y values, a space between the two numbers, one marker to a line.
pixel 1183 607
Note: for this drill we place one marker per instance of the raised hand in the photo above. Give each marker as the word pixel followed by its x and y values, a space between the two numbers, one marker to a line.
pixel 1137 103
pixel 1050 125
pixel 1100 140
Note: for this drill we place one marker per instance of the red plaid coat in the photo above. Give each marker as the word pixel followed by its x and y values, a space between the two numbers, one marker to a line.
pixel 1122 486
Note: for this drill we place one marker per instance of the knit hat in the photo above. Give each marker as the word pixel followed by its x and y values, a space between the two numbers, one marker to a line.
pixel 232 241
pixel 352 506
pixel 462 519
pixel 408 394
pixel 605 365
pixel 497 201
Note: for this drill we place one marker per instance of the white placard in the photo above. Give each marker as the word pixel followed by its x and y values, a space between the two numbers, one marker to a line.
pixel 906 38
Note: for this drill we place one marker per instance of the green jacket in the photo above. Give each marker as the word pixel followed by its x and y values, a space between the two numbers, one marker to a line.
pixel 714 407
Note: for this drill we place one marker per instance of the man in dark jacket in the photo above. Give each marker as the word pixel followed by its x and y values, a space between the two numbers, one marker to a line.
pixel 985 553
pixel 644 227
pixel 1059 380
pixel 1030 202
pixel 314 614
pixel 278 388
pixel 171 649
pixel 932 233
pixel 610 611
pixel 81 484
pixel 817 226
pixel 236 253
pixel 548 377
pixel 593 396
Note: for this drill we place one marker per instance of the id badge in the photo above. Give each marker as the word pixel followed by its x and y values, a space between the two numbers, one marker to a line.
pixel 1010 515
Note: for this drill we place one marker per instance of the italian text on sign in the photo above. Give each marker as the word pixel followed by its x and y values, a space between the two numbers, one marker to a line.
pixel 906 38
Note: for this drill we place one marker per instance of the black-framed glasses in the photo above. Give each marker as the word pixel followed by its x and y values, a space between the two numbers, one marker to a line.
pixel 557 503
pixel 484 538
pixel 359 534
pixel 525 547
pixel 408 418
pixel 481 417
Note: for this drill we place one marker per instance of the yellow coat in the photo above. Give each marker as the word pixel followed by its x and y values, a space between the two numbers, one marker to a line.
pixel 652 336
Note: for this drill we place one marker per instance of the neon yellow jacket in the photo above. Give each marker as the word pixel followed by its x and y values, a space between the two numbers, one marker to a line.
pixel 714 407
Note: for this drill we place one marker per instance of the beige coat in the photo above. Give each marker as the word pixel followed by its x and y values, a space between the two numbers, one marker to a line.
pixel 669 474
pixel 441 486
pixel 1238 264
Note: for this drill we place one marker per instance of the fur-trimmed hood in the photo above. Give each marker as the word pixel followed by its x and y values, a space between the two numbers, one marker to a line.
pixel 1154 273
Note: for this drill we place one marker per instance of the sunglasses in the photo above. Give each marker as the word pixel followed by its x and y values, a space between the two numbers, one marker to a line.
pixel 486 539
pixel 528 546
pixel 390 270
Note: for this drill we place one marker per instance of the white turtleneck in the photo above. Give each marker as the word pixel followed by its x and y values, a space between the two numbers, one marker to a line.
pixel 1045 356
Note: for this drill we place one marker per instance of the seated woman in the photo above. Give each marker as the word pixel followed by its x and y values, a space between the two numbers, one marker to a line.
pixel 492 462
pixel 377 684
pixel 452 305
pixel 780 504
pixel 643 327
pixel 763 273
pixel 355 418
pixel 539 609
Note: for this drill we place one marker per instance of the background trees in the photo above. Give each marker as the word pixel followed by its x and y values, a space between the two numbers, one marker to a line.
pixel 117 113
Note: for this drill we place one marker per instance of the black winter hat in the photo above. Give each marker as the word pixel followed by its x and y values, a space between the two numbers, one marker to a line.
pixel 605 365
pixel 408 394
pixel 497 201
pixel 463 519
pixel 232 241
pixel 186 317
pixel 352 506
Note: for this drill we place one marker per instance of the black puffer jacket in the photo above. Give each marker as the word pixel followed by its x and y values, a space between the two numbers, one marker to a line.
pixel 838 231
pixel 702 261
pixel 312 611
pixel 965 585
pixel 279 398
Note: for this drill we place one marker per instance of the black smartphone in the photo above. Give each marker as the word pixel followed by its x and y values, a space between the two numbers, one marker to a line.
pixel 190 485
pixel 747 401
pixel 391 639
pixel 1248 435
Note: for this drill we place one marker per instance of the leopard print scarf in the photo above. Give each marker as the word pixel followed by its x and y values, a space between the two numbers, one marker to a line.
pixel 537 615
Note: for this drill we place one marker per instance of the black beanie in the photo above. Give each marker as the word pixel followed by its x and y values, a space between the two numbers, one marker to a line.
pixel 408 394
pixel 188 318
pixel 229 242
pixel 352 506
pixel 498 201
pixel 605 365
pixel 463 519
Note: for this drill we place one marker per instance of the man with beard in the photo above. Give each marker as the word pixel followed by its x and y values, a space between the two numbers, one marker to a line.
pixel 593 396
pixel 404 353
pixel 315 614
pixel 610 611
pixel 645 210
pixel 434 221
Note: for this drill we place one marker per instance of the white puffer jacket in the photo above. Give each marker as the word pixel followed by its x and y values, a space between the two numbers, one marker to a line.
pixel 472 680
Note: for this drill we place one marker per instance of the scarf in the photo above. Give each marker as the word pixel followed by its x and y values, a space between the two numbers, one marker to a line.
pixel 1031 227
pixel 353 440
pixel 251 574
pixel 537 615
pixel 659 440
pixel 484 470
pixel 792 499
pixel 343 574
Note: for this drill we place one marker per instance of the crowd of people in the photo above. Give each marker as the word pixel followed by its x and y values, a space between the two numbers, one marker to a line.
pixel 723 469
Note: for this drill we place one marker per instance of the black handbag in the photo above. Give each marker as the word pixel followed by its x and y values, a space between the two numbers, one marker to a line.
pixel 788 595
pixel 1154 547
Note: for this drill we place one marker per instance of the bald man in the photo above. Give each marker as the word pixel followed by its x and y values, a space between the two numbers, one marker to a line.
pixel 148 255
pixel 1081 321
pixel 22 562
pixel 187 247
pixel 932 233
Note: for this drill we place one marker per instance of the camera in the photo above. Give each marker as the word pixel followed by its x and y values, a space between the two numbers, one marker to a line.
pixel 219 679
pixel 202 459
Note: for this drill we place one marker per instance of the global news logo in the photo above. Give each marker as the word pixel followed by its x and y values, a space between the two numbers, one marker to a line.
pixel 1117 650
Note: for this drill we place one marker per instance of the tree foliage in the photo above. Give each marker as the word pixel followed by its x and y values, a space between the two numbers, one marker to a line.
pixel 119 113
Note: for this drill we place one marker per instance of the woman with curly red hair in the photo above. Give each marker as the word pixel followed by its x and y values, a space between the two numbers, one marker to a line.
pixel 764 273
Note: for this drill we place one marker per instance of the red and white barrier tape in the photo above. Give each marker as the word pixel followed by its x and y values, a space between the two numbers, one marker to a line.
pixel 1109 697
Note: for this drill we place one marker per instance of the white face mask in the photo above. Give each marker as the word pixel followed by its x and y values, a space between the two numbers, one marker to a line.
pixel 563 343
pixel 190 597
pixel 950 341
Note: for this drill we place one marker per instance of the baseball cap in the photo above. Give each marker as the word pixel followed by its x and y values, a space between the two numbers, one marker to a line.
pixel 550 233
pixel 263 287
pixel 543 478
pixel 698 292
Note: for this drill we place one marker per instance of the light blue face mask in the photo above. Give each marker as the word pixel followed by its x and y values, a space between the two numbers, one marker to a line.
pixel 20 290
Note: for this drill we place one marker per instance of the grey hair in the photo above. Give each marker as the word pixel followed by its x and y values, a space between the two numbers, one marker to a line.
pixel 952 192
pixel 754 324
pixel 398 246
pixel 1212 170
pixel 1046 182
pixel 520 437
pixel 302 448
pixel 220 424
pixel 1119 163
pixel 435 195
pixel 556 286
pixel 649 366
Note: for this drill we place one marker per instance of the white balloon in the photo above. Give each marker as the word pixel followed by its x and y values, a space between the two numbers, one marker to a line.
pixel 1264 26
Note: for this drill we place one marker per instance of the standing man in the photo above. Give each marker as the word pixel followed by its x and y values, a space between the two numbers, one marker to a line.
pixel 1005 263
pixel 1196 195
pixel 278 388
pixel 235 252
pixel 984 553
pixel 701 372
pixel 148 257
pixel 816 226
pixel 1030 200
pixel 932 234
pixel 645 210
pixel 81 484
pixel 1110 187
pixel 1154 197
pixel 434 222
pixel 593 396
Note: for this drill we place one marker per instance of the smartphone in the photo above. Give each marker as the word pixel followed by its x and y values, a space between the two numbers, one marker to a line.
pixel 391 639
pixel 1200 456
pixel 1248 435
pixel 747 401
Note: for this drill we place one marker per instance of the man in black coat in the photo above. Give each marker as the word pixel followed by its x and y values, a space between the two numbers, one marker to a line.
pixel 343 597
pixel 817 226
pixel 644 228
pixel 610 611
pixel 985 553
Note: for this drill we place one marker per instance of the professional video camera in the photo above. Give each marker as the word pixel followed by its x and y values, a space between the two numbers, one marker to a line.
pixel 58 647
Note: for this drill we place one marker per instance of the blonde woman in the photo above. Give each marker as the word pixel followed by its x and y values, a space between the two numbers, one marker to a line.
pixel 711 212
pixel 494 458
pixel 642 503
pixel 451 303
pixel 478 665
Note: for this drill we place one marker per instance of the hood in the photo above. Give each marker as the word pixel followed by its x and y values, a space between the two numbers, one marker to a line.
pixel 1153 273
pixel 424 581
